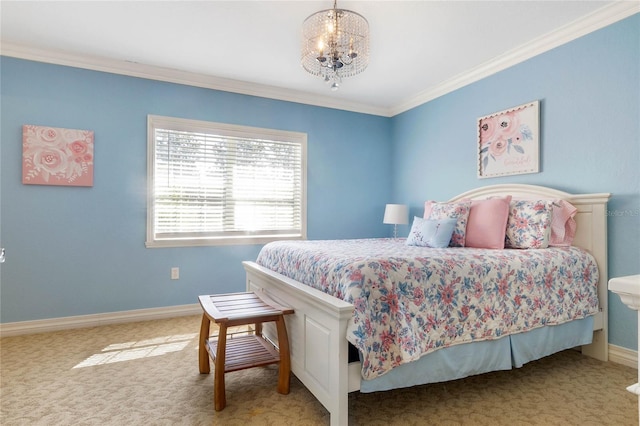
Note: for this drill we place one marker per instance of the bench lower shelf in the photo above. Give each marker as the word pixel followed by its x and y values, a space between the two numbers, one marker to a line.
pixel 245 352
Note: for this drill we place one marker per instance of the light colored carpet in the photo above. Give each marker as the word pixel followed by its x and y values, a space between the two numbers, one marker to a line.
pixel 146 373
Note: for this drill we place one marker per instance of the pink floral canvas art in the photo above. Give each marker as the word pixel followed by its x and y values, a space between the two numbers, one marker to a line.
pixel 508 142
pixel 56 156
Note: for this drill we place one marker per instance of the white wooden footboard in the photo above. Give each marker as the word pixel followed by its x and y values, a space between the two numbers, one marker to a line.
pixel 317 334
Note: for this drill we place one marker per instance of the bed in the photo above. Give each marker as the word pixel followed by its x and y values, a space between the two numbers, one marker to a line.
pixel 322 325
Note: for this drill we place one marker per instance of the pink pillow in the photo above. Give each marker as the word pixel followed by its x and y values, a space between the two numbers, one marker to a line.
pixel 487 223
pixel 563 225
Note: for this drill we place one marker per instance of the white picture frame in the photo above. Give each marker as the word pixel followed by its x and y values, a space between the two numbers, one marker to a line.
pixel 509 141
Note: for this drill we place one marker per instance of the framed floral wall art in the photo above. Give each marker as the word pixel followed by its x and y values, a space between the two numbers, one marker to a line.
pixel 509 141
pixel 56 156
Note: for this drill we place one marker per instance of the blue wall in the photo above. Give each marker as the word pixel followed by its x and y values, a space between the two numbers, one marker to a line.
pixel 74 251
pixel 589 92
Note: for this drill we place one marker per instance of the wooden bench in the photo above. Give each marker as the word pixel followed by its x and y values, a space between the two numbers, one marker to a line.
pixel 238 353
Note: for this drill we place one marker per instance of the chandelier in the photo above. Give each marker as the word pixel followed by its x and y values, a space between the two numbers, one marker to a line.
pixel 335 44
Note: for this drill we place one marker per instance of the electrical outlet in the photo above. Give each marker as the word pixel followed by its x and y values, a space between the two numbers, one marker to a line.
pixel 175 273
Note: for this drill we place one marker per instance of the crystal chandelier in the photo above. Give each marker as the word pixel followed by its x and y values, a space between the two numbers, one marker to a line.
pixel 335 44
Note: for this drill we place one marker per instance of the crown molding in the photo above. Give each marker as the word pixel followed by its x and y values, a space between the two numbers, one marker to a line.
pixel 170 75
pixel 596 20
pixel 592 22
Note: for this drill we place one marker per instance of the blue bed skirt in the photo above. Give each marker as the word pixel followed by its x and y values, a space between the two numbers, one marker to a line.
pixel 469 359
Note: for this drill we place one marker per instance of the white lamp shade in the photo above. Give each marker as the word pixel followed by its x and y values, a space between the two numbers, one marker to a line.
pixel 396 214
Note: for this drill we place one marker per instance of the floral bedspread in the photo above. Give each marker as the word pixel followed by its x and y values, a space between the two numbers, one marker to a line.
pixel 410 301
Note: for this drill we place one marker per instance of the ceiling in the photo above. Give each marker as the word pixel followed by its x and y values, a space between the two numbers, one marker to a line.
pixel 419 49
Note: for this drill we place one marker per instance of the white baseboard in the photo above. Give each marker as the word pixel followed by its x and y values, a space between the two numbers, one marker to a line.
pixel 623 356
pixel 82 321
pixel 617 354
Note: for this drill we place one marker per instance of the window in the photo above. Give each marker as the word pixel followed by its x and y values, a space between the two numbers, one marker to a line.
pixel 212 183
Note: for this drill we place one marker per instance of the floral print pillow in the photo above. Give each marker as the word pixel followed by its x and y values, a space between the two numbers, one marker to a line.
pixel 529 224
pixel 458 211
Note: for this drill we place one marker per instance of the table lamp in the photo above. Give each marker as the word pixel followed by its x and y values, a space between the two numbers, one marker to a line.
pixel 396 214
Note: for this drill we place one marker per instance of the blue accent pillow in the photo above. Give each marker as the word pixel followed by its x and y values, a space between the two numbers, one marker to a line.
pixel 434 233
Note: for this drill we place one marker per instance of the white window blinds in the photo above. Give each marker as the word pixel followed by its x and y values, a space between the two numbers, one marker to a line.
pixel 213 183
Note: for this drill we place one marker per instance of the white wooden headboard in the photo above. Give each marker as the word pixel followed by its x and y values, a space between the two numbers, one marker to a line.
pixel 591 235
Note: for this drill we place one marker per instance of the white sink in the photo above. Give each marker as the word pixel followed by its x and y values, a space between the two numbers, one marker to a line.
pixel 628 288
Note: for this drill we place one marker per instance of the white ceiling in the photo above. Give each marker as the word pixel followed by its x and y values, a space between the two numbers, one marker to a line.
pixel 419 49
